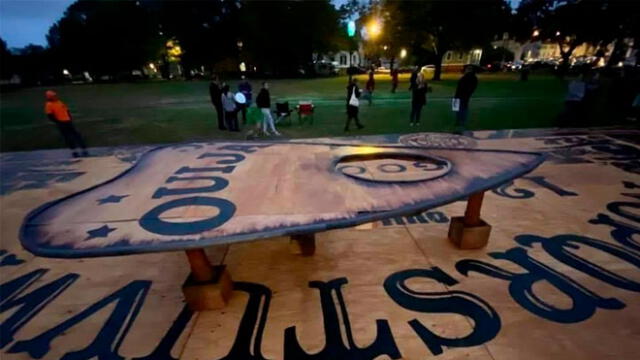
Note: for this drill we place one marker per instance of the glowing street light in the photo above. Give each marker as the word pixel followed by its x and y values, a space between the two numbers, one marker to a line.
pixel 385 47
pixel 403 53
pixel 536 32
pixel 374 28
pixel 557 33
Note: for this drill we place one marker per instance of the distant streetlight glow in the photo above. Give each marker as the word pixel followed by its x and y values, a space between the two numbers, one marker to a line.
pixel 536 32
pixel 403 53
pixel 243 67
pixel 374 28
pixel 385 47
pixel 351 28
pixel 557 33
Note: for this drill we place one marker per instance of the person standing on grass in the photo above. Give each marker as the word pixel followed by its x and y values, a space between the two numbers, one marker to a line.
pixel 370 85
pixel 394 80
pixel 574 101
pixel 230 109
pixel 466 86
pixel 245 88
pixel 60 115
pixel 264 104
pixel 353 103
pixel 215 93
pixel 418 99
pixel 414 77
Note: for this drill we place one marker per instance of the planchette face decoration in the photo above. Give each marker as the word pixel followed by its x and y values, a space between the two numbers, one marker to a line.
pixel 390 167
pixel 197 195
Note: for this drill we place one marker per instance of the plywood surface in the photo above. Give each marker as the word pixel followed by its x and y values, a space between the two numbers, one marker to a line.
pixel 199 195
pixel 559 278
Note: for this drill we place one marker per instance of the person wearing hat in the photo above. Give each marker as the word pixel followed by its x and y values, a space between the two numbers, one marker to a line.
pixel 59 114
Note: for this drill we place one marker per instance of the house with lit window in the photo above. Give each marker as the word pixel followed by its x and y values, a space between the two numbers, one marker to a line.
pixel 454 60
pixel 344 59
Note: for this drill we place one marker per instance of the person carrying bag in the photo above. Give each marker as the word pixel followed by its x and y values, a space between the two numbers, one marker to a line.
pixel 353 103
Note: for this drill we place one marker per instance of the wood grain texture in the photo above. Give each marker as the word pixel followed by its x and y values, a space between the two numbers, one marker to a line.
pixel 198 195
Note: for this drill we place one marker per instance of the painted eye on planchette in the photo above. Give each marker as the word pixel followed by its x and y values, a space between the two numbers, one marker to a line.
pixel 392 167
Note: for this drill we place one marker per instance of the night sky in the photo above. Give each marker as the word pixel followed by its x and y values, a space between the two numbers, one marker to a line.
pixel 24 22
pixel 27 21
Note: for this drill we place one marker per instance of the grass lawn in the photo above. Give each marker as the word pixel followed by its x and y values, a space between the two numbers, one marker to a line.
pixel 174 111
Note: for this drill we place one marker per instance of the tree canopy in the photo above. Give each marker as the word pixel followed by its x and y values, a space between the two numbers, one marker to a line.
pixel 570 23
pixel 430 28
pixel 279 37
pixel 107 35
pixel 104 35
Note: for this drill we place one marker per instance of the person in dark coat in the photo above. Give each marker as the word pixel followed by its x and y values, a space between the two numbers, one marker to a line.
pixel 418 100
pixel 414 77
pixel 264 104
pixel 215 93
pixel 466 86
pixel 245 88
pixel 353 102
pixel 394 80
pixel 370 86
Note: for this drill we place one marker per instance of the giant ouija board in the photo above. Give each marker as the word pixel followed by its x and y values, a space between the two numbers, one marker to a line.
pixel 559 278
pixel 198 195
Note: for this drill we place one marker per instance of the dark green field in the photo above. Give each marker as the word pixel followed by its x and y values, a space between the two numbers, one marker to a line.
pixel 161 112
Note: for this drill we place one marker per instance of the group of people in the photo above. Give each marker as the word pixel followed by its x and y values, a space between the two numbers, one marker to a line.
pixel 228 105
pixel 611 92
pixel 419 89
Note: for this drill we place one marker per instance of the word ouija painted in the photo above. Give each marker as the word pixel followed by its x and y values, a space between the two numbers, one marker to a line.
pixel 21 301
pixel 196 196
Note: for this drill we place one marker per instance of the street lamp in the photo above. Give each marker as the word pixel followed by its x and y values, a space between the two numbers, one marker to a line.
pixel 385 48
pixel 403 53
pixel 536 32
pixel 374 28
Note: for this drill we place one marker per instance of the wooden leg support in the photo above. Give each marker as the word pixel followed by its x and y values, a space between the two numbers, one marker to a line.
pixel 470 231
pixel 207 287
pixel 304 245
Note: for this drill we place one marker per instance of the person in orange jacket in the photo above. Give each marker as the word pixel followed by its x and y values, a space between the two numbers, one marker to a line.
pixel 59 114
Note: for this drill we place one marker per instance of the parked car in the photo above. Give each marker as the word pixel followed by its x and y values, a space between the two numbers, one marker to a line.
pixel 355 70
pixel 427 71
pixel 81 78
pixel 494 66
pixel 322 68
pixel 513 65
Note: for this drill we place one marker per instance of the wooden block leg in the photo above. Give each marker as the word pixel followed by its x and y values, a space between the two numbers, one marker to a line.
pixel 304 245
pixel 207 287
pixel 470 231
